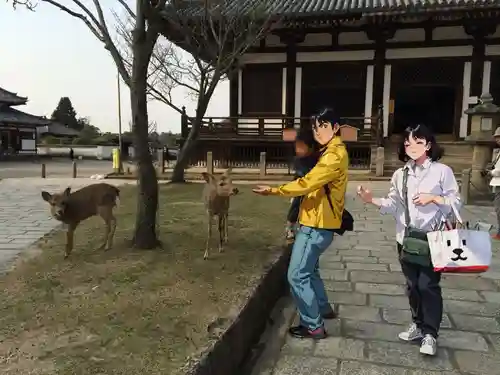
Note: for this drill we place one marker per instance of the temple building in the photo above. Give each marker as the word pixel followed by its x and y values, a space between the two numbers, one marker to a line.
pixel 18 135
pixel 387 64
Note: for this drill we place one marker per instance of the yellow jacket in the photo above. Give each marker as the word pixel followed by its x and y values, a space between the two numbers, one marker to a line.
pixel 331 169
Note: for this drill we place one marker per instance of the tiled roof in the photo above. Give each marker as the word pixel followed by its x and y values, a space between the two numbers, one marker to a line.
pixel 308 8
pixel 11 98
pixel 13 116
pixel 58 129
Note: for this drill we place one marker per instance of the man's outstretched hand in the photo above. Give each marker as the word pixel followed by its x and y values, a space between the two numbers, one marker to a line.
pixel 262 189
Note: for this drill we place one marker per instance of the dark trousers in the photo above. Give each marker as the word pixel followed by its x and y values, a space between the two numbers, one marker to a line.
pixel 293 211
pixel 424 295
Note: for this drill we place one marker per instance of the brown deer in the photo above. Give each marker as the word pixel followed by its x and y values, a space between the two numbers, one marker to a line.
pixel 216 195
pixel 73 208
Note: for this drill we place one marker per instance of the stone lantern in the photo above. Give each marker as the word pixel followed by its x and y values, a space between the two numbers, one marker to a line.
pixel 485 118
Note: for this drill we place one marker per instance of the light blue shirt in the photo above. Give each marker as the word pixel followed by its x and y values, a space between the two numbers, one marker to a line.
pixel 431 178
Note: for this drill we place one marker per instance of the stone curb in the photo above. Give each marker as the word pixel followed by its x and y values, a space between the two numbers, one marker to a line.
pixel 226 354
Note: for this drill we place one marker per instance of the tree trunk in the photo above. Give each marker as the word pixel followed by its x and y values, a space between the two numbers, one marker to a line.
pixel 186 152
pixel 147 199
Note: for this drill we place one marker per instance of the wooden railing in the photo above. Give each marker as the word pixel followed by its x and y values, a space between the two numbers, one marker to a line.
pixel 370 128
pixel 277 158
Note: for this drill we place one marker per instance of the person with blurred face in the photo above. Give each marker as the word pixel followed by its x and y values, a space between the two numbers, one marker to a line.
pixel 306 152
pixel 422 195
pixel 320 216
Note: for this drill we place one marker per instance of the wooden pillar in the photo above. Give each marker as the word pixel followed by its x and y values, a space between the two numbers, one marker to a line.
pixel 291 38
pixel 379 34
pixel 291 63
pixel 479 30
pixel 233 94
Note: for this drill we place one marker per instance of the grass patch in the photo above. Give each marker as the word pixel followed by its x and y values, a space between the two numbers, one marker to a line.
pixel 129 311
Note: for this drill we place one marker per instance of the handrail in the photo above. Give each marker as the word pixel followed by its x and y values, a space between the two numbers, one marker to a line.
pixel 272 125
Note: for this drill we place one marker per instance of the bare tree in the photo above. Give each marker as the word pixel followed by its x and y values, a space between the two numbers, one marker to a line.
pixel 214 39
pixel 145 34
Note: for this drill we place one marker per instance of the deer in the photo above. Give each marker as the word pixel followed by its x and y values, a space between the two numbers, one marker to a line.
pixel 216 195
pixel 73 208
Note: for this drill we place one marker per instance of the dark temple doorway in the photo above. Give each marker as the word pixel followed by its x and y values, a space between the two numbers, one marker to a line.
pixel 337 85
pixel 433 106
pixel 429 92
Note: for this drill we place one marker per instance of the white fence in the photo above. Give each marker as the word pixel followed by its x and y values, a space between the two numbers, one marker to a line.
pixel 97 152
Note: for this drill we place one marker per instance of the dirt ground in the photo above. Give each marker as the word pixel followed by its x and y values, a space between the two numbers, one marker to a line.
pixel 129 311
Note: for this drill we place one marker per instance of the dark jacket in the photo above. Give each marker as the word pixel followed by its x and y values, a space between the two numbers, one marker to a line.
pixel 303 165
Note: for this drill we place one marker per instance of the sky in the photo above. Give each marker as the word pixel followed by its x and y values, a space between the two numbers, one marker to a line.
pixel 47 54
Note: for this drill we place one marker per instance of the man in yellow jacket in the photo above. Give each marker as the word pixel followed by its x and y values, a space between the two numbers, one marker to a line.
pixel 320 215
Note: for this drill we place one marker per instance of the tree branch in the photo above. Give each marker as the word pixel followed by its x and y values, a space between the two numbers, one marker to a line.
pixel 80 16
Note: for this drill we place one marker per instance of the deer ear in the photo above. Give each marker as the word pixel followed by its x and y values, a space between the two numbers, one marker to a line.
pixel 227 172
pixel 208 177
pixel 46 196
pixel 67 192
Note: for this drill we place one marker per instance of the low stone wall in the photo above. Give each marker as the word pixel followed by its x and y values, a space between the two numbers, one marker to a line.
pixel 225 355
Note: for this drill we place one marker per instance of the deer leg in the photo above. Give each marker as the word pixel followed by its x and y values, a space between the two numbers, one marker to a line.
pixel 221 233
pixel 209 235
pixel 69 240
pixel 111 232
pixel 226 232
pixel 106 214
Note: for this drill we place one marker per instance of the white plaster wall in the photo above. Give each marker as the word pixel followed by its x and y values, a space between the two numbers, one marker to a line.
pixel 450 33
pixel 319 39
pixel 354 38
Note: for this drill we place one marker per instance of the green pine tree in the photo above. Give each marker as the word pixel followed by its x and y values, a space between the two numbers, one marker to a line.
pixel 65 114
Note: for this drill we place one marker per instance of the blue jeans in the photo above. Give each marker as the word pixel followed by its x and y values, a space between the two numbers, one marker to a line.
pixel 307 287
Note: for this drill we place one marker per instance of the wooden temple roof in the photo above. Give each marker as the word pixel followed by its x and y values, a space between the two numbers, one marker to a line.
pixel 58 129
pixel 10 98
pixel 325 8
pixel 11 116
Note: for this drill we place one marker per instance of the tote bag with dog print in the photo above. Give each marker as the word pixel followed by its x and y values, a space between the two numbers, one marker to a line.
pixel 460 250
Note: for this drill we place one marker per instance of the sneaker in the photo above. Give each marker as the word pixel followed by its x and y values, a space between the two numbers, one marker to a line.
pixel 411 334
pixel 428 346
pixel 302 332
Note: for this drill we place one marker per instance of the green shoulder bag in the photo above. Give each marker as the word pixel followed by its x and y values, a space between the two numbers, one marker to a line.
pixel 415 244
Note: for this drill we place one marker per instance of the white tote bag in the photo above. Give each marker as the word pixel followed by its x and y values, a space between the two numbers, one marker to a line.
pixel 460 250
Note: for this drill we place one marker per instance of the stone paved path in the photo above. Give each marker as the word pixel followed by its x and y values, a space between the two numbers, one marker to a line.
pixel 363 277
pixel 24 216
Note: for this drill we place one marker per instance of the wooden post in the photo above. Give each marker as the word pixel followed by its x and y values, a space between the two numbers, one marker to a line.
pixel 44 172
pixel 161 161
pixel 262 165
pixel 465 186
pixel 74 169
pixel 210 162
pixel 379 162
pixel 380 126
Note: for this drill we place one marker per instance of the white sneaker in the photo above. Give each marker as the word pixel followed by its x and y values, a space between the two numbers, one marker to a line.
pixel 411 334
pixel 429 345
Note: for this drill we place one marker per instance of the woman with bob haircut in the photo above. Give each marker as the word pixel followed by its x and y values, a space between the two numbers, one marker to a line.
pixel 422 195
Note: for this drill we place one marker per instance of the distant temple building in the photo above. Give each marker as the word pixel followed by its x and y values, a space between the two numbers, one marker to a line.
pixel 18 133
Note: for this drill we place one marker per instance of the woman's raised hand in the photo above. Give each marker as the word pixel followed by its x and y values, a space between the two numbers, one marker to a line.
pixel 365 194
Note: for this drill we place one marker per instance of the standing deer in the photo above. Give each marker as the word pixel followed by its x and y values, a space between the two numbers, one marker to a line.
pixel 73 208
pixel 216 196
